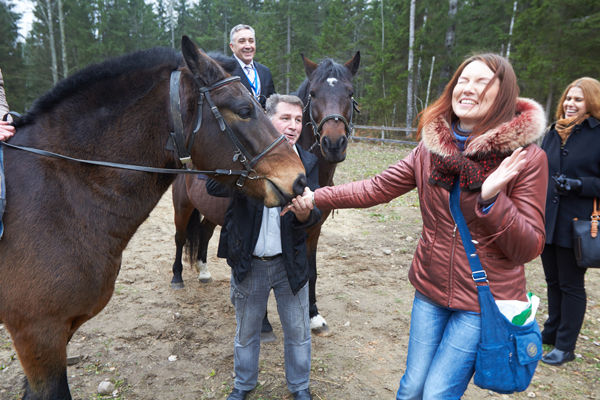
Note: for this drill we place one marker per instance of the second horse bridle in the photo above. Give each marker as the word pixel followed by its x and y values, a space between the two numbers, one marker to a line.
pixel 317 128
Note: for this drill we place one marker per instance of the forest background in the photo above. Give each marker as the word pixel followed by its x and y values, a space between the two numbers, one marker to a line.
pixel 409 48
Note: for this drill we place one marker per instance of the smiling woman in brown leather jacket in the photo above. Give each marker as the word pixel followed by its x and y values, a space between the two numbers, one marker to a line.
pixel 480 134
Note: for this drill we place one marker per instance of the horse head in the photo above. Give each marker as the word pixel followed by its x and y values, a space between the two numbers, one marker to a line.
pixel 329 105
pixel 234 124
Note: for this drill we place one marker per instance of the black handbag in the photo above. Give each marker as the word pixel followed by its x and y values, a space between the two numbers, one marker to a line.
pixel 508 354
pixel 586 243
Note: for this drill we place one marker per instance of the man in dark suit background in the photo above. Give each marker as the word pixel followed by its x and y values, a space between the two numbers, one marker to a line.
pixel 255 76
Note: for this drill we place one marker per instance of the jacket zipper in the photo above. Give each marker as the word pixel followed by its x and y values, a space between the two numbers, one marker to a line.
pixel 450 284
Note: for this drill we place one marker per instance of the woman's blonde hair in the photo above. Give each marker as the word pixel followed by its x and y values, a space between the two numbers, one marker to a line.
pixel 591 95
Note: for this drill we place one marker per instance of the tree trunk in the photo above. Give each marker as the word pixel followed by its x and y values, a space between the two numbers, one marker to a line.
pixel 409 88
pixel 510 30
pixel 172 23
pixel 63 47
pixel 429 81
pixel 54 66
pixel 417 86
pixel 288 51
pixel 382 51
pixel 450 38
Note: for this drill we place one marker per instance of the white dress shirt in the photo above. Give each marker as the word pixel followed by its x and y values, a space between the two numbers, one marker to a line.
pixel 269 237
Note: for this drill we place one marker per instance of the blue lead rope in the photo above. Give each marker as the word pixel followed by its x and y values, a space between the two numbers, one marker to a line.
pixel 477 271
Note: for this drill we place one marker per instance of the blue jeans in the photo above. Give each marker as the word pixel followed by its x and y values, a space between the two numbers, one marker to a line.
pixel 441 351
pixel 250 299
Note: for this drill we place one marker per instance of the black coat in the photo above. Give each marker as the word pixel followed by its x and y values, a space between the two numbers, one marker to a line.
pixel 579 158
pixel 243 219
pixel 267 88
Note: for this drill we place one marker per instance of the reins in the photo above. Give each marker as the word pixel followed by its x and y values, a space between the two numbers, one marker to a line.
pixel 178 139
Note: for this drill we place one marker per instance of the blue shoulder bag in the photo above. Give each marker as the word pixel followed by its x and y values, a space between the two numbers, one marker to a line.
pixel 507 354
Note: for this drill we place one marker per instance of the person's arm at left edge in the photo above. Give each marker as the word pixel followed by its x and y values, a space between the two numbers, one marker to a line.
pixel 6 129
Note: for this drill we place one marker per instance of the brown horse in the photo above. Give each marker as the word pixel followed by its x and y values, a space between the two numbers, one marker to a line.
pixel 327 122
pixel 67 224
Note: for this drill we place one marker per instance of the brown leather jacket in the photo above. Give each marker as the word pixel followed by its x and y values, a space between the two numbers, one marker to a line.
pixel 509 235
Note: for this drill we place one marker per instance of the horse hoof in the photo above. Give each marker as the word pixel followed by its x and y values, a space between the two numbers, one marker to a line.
pixel 267 337
pixel 204 278
pixel 319 326
pixel 177 285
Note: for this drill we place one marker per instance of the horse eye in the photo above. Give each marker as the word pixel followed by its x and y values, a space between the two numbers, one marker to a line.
pixel 245 112
pixel 312 94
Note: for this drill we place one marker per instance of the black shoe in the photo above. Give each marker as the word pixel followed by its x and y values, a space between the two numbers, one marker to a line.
pixel 558 357
pixel 302 395
pixel 238 394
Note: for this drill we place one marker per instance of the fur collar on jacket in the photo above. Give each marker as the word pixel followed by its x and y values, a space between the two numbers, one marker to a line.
pixel 526 127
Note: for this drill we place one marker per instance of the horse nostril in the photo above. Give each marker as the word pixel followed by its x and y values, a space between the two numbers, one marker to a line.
pixel 299 184
pixel 326 141
pixel 343 141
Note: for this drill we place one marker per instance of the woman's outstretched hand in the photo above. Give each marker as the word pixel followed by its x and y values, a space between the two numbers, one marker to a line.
pixel 301 205
pixel 508 169
pixel 6 130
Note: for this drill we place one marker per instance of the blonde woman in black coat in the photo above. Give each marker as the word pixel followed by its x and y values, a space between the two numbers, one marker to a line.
pixel 573 149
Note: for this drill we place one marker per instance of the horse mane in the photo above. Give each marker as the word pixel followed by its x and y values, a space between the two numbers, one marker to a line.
pixel 227 63
pixel 326 69
pixel 92 74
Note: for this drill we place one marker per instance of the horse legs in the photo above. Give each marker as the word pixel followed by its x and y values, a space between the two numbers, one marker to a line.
pixel 42 350
pixel 318 325
pixel 183 215
pixel 266 332
pixel 207 229
pixel 177 280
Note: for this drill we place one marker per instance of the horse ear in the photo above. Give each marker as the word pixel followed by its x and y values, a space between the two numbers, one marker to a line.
pixel 309 66
pixel 196 60
pixel 353 63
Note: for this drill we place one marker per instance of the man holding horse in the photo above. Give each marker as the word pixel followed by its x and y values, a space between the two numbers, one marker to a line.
pixel 253 75
pixel 267 251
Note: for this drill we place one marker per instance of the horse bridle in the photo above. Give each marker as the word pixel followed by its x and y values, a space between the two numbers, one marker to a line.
pixel 317 128
pixel 178 139
pixel 183 152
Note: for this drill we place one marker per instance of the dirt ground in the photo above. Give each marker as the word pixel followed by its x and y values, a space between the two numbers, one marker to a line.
pixel 153 342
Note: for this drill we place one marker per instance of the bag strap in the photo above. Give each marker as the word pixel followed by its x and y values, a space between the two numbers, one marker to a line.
pixel 595 218
pixel 477 271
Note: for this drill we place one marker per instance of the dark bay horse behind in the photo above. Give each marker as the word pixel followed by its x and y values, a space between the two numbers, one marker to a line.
pixel 329 105
pixel 67 224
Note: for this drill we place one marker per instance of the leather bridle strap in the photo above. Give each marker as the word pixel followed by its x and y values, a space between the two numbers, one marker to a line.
pixel 128 166
pixel 317 128
pixel 241 154
pixel 177 135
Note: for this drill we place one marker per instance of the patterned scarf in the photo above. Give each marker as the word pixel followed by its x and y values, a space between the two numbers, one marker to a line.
pixel 565 126
pixel 472 172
